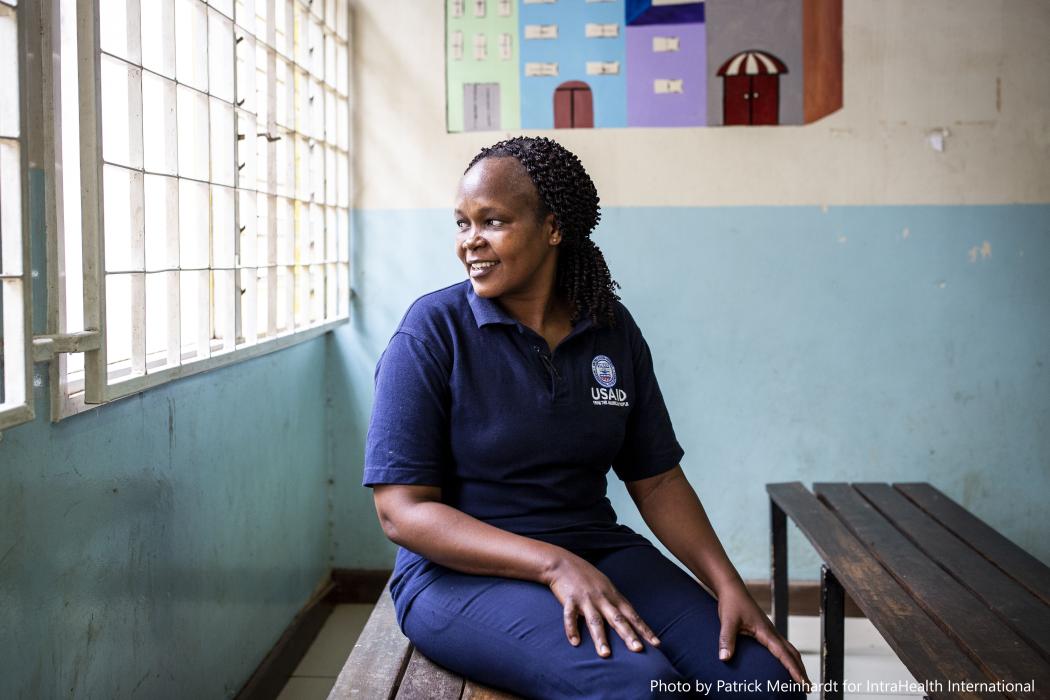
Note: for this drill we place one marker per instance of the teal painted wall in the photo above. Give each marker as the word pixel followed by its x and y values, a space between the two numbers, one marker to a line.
pixel 158 546
pixel 857 343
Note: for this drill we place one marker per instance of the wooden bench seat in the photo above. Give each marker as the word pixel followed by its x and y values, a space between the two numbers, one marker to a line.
pixel 956 600
pixel 384 664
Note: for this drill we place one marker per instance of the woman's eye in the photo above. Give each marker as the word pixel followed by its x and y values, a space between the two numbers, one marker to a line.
pixel 461 224
pixel 496 222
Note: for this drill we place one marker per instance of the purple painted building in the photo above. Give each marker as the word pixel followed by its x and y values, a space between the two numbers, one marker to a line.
pixel 666 64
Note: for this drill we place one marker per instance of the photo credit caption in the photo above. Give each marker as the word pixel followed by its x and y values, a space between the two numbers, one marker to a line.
pixel 908 687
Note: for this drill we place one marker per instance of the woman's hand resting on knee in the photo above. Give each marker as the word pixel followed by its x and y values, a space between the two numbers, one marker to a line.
pixel 584 590
pixel 739 614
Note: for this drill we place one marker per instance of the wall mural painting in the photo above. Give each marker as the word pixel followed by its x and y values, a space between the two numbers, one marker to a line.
pixel 577 64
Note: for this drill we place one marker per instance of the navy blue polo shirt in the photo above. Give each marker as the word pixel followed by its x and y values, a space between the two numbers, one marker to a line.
pixel 471 400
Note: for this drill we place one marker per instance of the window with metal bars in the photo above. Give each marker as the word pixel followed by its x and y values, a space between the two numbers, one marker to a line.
pixel 202 186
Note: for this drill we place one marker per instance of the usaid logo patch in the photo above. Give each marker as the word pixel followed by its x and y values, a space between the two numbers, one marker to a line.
pixel 604 372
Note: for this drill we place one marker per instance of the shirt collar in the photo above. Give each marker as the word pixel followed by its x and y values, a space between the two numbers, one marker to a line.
pixel 487 311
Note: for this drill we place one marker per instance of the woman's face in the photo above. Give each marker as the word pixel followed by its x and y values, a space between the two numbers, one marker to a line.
pixel 504 243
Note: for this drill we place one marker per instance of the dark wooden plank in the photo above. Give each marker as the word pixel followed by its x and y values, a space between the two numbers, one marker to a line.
pixel 376 664
pixel 1019 564
pixel 425 680
pixel 922 646
pixel 477 691
pixel 832 636
pixel 1016 605
pixel 989 642
pixel 778 568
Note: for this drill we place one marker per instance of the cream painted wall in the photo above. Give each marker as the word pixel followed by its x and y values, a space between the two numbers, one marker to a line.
pixel 978 68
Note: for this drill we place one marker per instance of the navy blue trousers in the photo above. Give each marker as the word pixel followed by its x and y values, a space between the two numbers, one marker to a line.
pixel 508 634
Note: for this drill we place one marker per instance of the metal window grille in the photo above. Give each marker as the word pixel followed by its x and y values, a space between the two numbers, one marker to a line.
pixel 214 152
pixel 16 387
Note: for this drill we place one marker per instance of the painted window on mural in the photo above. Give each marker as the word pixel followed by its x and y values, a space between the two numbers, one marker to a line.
pixel 655 63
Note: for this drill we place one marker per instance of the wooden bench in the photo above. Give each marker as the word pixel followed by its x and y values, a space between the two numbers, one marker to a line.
pixel 957 601
pixel 384 664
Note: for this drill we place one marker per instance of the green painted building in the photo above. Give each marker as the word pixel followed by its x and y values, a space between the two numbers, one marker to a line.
pixel 481 42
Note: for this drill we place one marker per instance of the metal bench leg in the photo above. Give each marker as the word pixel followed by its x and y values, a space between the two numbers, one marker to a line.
pixel 832 621
pixel 779 568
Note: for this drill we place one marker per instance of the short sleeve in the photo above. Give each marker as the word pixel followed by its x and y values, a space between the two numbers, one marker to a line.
pixel 408 433
pixel 650 446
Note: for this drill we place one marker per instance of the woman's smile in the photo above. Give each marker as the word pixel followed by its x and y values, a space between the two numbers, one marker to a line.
pixel 481 268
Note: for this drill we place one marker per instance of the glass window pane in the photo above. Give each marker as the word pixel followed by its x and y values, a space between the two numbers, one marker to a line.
pixel 162 222
pixel 119 32
pixel 123 214
pixel 223 233
pixel 193 225
pixel 9 101
pixel 160 141
pixel 222 139
pixel 193 133
pixel 191 30
pixel 158 36
pixel 121 112
pixel 220 56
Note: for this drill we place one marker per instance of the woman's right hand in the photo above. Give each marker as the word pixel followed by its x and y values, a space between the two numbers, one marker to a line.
pixel 584 590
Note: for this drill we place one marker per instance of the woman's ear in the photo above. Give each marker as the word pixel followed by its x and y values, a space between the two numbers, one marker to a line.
pixel 554 235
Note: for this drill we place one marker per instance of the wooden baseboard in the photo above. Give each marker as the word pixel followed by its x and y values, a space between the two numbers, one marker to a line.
pixel 358 585
pixel 276 667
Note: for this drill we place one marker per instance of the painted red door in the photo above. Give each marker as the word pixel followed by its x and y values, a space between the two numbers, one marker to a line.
pixel 736 100
pixel 765 99
pixel 573 106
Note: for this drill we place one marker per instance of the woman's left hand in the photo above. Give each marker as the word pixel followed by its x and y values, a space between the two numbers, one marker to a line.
pixel 739 614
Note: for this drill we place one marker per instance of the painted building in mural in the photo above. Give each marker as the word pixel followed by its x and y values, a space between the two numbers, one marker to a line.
pixel 481 48
pixel 542 64
pixel 773 62
pixel 666 63
pixel 572 64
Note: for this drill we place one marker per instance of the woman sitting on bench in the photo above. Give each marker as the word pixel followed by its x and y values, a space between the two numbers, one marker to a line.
pixel 500 404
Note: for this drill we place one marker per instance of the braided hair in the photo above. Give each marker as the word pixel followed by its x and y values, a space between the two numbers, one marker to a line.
pixel 567 191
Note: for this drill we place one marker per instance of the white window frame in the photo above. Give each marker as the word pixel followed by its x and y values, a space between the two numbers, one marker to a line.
pixel 16 285
pixel 457 7
pixel 330 37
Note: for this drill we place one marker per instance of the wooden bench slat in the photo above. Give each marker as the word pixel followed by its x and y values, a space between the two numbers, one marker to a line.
pixel 922 646
pixel 1016 605
pixel 1016 562
pixel 477 691
pixel 374 667
pixel 990 643
pixel 425 680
